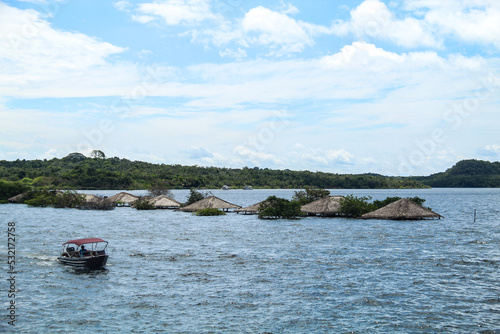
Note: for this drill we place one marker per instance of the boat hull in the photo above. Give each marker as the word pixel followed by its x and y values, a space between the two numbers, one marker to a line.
pixel 93 262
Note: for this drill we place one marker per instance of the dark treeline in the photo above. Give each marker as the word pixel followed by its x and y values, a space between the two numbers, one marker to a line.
pixel 466 174
pixel 76 171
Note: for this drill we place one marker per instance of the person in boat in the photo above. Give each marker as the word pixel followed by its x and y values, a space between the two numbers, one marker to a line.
pixel 82 250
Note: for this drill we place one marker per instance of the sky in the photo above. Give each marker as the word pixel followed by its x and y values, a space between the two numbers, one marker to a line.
pixel 391 87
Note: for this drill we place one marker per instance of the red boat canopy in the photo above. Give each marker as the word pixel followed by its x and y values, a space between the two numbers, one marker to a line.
pixel 80 242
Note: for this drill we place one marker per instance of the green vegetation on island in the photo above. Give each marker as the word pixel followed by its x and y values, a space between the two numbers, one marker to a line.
pixel 210 212
pixel 77 171
pixel 466 174
pixel 279 208
pixel 354 207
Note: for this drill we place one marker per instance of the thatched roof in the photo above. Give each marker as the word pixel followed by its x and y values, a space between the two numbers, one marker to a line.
pixel 93 202
pixel 403 209
pixel 163 201
pixel 249 210
pixel 210 202
pixel 327 206
pixel 124 197
pixel 91 198
pixel 16 199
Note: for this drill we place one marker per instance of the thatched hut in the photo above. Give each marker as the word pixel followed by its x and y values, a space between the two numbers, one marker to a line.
pixel 325 207
pixel 93 202
pixel 210 202
pixel 90 198
pixel 403 209
pixel 164 202
pixel 16 199
pixel 124 199
pixel 20 197
pixel 249 210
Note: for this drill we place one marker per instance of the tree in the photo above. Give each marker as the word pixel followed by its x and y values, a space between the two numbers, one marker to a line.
pixel 96 154
pixel 310 194
pixel 353 206
pixel 9 189
pixel 195 196
pixel 379 204
pixel 68 199
pixel 143 204
pixel 159 188
pixel 42 199
pixel 75 157
pixel 279 208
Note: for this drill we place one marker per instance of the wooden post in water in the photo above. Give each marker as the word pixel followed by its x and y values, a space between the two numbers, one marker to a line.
pixel 474 215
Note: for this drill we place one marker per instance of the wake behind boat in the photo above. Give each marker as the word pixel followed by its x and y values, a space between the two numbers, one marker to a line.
pixel 85 253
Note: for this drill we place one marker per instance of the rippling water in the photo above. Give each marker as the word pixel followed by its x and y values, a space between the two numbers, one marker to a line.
pixel 173 272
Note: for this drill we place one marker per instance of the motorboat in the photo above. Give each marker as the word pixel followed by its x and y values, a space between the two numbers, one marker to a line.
pixel 85 253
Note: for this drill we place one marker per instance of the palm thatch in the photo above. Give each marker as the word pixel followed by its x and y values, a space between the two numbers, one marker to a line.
pixel 93 202
pixel 164 202
pixel 210 202
pixel 326 207
pixel 16 199
pixel 249 210
pixel 403 209
pixel 124 198
pixel 89 198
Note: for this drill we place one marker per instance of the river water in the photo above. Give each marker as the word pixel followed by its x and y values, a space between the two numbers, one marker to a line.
pixel 174 272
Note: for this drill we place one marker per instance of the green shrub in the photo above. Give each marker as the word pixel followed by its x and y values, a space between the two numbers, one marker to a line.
pixel 9 189
pixel 310 194
pixel 143 204
pixel 387 201
pixel 68 199
pixel 353 206
pixel 42 199
pixel 195 196
pixel 279 208
pixel 210 212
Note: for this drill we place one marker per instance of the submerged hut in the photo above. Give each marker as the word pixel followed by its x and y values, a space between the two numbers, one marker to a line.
pixel 90 198
pixel 210 202
pixel 124 199
pixel 325 207
pixel 249 210
pixel 403 209
pixel 93 202
pixel 164 202
pixel 16 199
pixel 20 197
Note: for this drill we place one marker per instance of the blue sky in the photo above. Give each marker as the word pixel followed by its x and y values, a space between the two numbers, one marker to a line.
pixel 392 87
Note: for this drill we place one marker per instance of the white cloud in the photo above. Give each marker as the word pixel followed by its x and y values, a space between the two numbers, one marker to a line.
pixel 174 12
pixel 427 23
pixel 257 158
pixel 373 19
pixel 493 149
pixel 122 5
pixel 236 54
pixel 260 26
pixel 263 26
pixel 326 157
pixel 362 55
pixel 472 21
pixel 37 60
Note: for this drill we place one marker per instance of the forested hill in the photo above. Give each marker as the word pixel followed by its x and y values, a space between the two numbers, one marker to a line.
pixel 466 174
pixel 76 171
